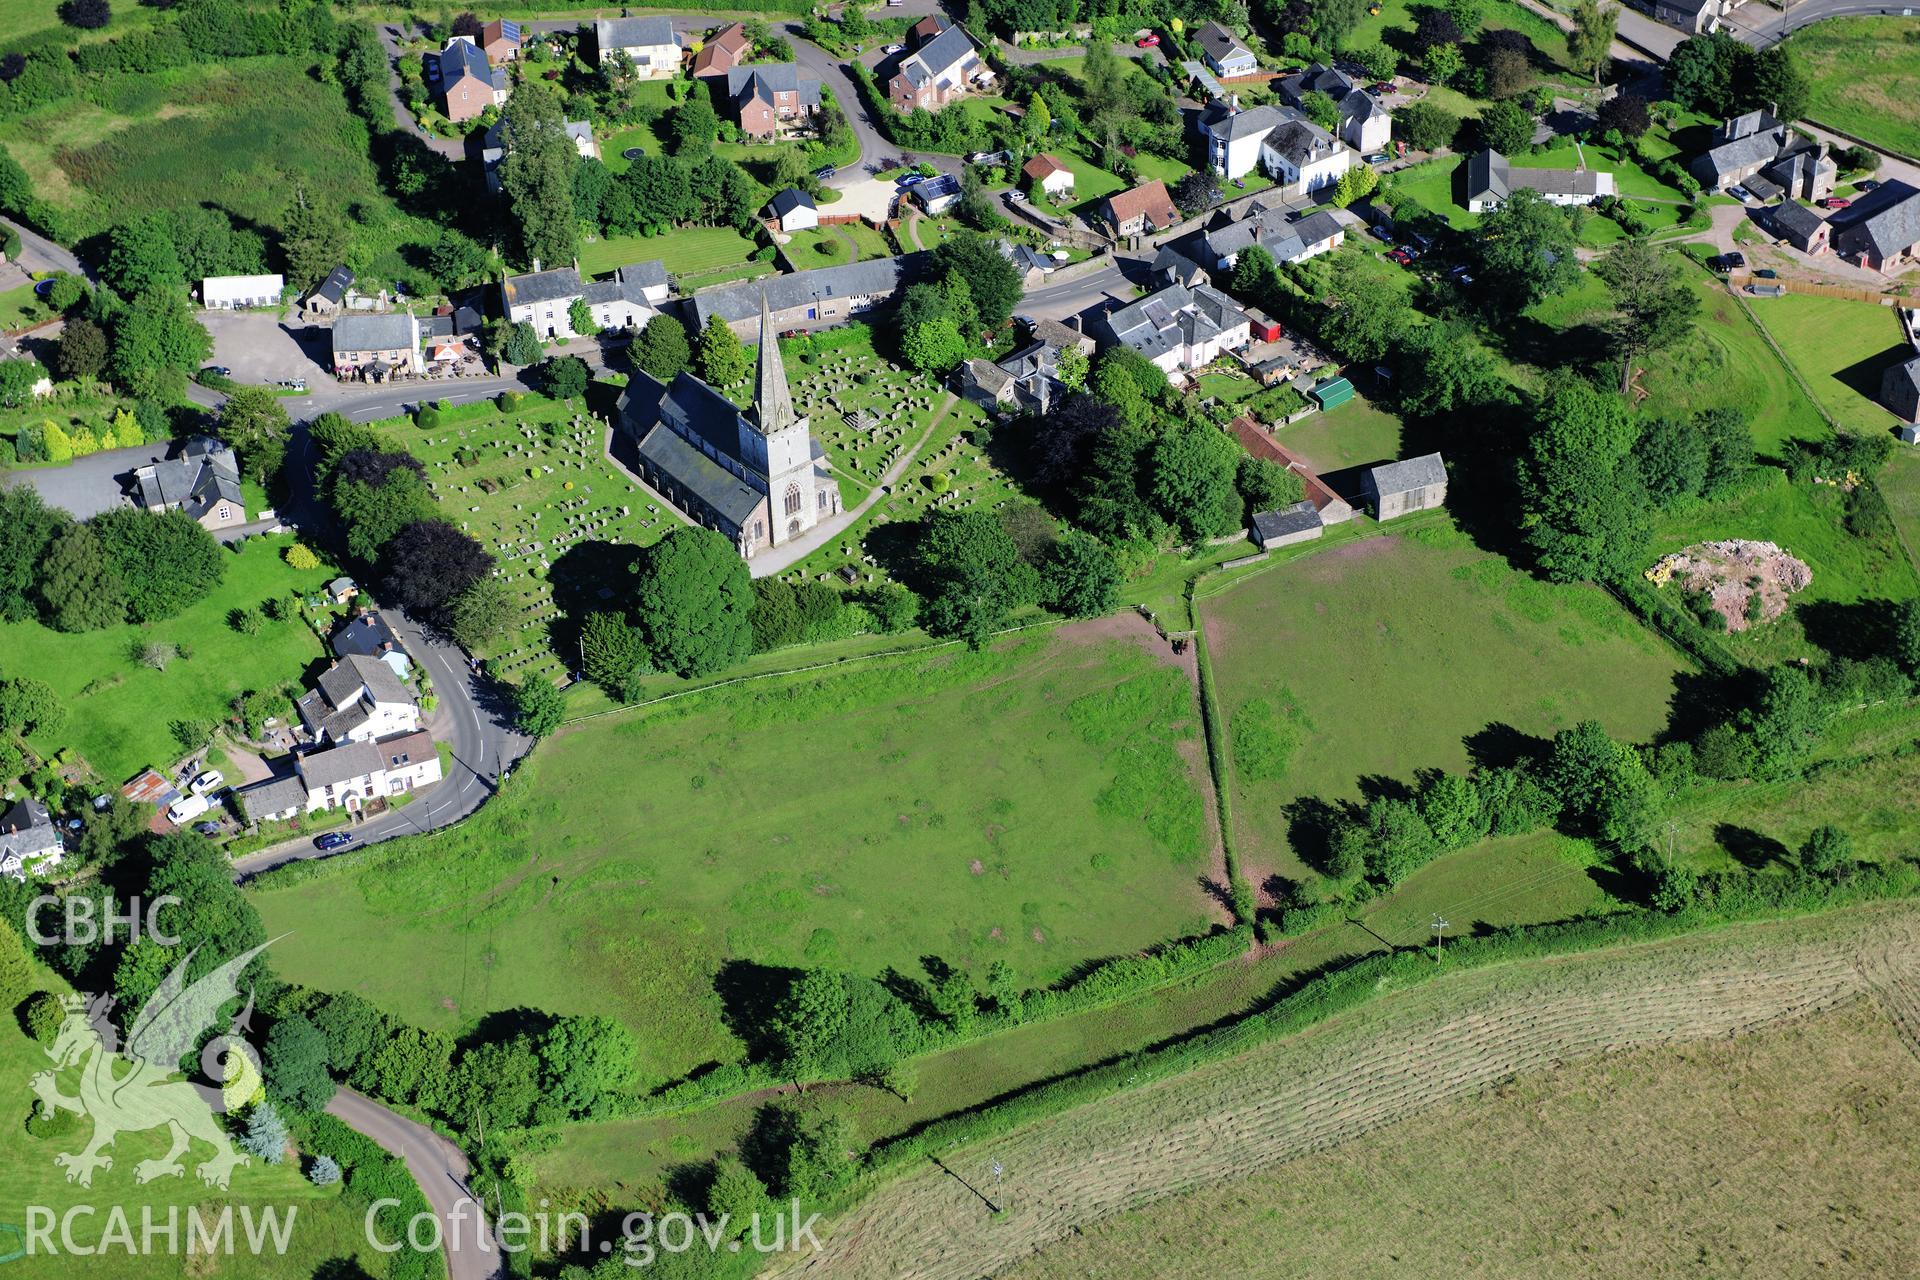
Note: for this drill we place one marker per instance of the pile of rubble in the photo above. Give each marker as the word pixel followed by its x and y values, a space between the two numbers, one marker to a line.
pixel 1732 575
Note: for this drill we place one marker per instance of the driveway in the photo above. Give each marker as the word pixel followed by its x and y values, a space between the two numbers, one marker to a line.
pixel 441 1169
pixel 261 347
pixel 454 149
pixel 86 486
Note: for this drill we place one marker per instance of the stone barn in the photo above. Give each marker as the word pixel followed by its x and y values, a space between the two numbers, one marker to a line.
pixel 1402 488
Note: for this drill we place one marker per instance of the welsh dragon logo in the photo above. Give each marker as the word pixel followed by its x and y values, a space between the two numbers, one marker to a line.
pixel 138 1088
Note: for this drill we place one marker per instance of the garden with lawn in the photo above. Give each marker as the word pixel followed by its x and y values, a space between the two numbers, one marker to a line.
pixel 121 708
pixel 1840 348
pixel 1347 435
pixel 534 485
pixel 696 257
pixel 1368 662
pixel 1033 804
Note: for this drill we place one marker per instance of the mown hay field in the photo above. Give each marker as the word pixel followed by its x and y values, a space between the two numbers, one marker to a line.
pixel 1399 1058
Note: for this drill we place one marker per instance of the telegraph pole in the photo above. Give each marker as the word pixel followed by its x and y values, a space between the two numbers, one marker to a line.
pixel 1439 927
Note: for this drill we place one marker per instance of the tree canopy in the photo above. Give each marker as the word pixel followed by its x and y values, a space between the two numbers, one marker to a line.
pixel 693 602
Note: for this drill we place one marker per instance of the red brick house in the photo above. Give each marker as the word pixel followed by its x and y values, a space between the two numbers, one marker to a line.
pixel 938 68
pixel 500 41
pixel 728 49
pixel 765 99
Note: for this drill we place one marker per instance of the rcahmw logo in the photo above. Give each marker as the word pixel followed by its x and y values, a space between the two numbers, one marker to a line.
pixel 85 1231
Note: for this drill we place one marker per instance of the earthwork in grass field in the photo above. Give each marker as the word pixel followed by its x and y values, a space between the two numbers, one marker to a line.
pixel 1033 804
pixel 1400 1056
pixel 1382 657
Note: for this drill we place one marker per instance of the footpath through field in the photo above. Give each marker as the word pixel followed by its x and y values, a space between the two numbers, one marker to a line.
pixel 1357 1072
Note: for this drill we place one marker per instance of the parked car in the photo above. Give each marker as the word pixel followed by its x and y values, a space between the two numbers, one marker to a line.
pixel 825 173
pixel 1867 184
pixel 1381 231
pixel 211 780
pixel 207 828
pixel 1016 196
pixel 333 840
pixel 893 48
pixel 218 371
pixel 1766 273
pixel 1385 86
pixel 1835 202
pixel 1148 41
pixel 187 808
pixel 1740 193
pixel 1401 256
pixel 1377 157
pixel 293 384
pixel 1420 241
pixel 1732 261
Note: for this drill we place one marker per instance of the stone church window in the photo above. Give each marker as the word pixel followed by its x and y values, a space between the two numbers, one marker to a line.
pixel 793 500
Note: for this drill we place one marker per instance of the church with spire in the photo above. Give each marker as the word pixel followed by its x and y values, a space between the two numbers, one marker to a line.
pixel 756 475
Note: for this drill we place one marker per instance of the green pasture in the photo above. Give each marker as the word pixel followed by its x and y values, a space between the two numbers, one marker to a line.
pixel 1840 348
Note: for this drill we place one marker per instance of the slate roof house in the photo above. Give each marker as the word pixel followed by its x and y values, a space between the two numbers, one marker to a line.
pixel 367 635
pixel 1317 78
pixel 1299 153
pixel 1762 152
pixel 203 481
pixel 757 476
pixel 648 42
pixel 1491 180
pixel 1880 229
pixel 801 299
pixel 1179 328
pixel 1799 226
pixel 1401 488
pixel 330 296
pixel 1141 211
pixel 346 776
pixel 358 699
pixel 1028 381
pixel 1274 229
pixel 793 210
pixel 29 840
pixel 1299 522
pixel 1900 390
pixel 1365 123
pixel 376 347
pixel 1225 52
pixel 544 299
pixel 1696 17
pixel 764 99
pixel 1234 136
pixel 469 84
pixel 727 50
pixel 935 70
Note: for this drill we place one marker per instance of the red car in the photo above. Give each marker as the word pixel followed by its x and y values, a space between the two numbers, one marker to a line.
pixel 1401 256
pixel 1148 41
pixel 1834 202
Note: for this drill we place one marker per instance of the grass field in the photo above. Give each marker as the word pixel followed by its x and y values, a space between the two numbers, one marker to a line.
pixel 324 1227
pixel 1806 520
pixel 532 485
pixel 1782 1153
pixel 698 256
pixel 118 711
pixel 1865 75
pixel 1840 348
pixel 1346 436
pixel 1900 484
pixel 1404 1056
pixel 1032 805
pixel 1381 657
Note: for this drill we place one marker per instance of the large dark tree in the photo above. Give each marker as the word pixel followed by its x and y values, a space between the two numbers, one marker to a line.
pixel 27 528
pixel 88 15
pixel 1062 438
pixel 693 601
pixel 990 275
pixel 974 575
pixel 167 560
pixel 1626 114
pixel 428 564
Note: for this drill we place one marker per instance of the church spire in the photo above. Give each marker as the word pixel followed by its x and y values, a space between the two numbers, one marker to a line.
pixel 772 402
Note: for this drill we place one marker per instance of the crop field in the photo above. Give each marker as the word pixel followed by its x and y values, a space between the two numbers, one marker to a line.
pixel 1386 655
pixel 1398 1058
pixel 1840 348
pixel 1807 521
pixel 324 1227
pixel 1783 1152
pixel 532 485
pixel 119 710
pixel 1725 362
pixel 1034 804
pixel 1865 75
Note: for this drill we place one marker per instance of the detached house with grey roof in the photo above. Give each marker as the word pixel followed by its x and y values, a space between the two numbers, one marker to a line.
pixel 203 481
pixel 1770 158
pixel 1279 141
pixel 1879 230
pixel 649 43
pixel 1179 328
pixel 1491 181
pixel 469 84
pixel 769 98
pixel 544 299
pixel 935 70
pixel 1276 230
pixel 358 699
pixel 30 840
pixel 1226 53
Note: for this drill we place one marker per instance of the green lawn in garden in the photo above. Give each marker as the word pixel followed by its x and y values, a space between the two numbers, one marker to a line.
pixel 552 490
pixel 693 254
pixel 1031 804
pixel 20 309
pixel 119 711
pixel 1382 656
pixel 1841 348
pixel 1346 436
pixel 818 247
pixel 1865 75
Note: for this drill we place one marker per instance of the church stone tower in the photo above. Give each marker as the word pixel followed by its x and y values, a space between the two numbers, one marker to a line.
pixel 776 442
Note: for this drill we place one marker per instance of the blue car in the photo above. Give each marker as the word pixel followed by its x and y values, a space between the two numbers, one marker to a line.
pixel 333 840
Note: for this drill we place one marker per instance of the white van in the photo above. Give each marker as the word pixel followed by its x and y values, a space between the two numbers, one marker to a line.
pixel 187 808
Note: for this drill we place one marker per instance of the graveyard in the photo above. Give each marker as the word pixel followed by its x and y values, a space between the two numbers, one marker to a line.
pixel 531 483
